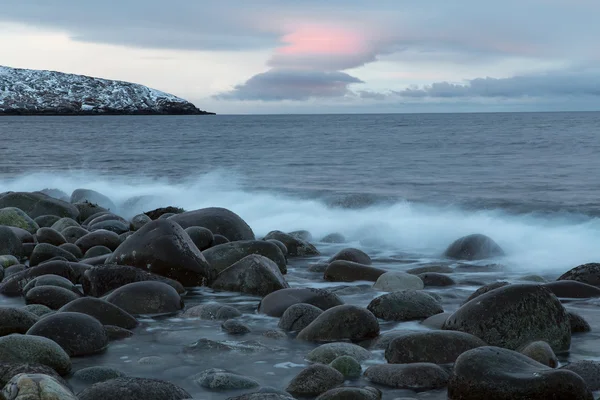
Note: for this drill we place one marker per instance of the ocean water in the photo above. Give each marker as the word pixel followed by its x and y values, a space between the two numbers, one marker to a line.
pixel 400 187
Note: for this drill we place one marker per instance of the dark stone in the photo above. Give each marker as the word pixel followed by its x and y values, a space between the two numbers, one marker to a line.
pixel 281 246
pixel 473 247
pixel 348 271
pixel 302 235
pixel 21 349
pixel 314 380
pixel 24 236
pixel 99 260
pixel 13 269
pixel 10 244
pixel 98 281
pixel 340 323
pixel 15 320
pixel 117 333
pixel 44 252
pixel 15 217
pixel 514 315
pixel 436 321
pixel 219 379
pixel 156 214
pixel 541 352
pixel 98 238
pixel 586 273
pixel 334 238
pixel 117 227
pixel 37 204
pixel 318 267
pixel 573 289
pixel 272 394
pixel 105 312
pixel 78 334
pixel 63 224
pixel 234 327
pixel 588 370
pixel 53 297
pixel 202 237
pixel 93 375
pixel 405 305
pixel 71 248
pixel 486 288
pixel 254 274
pixel 97 251
pixel 218 220
pixel 148 297
pixel 50 280
pixel 416 376
pixel 139 221
pixel 13 285
pixel 8 370
pixel 46 221
pixel 91 196
pixel 133 389
pixel 352 254
pixel 440 269
pixel 298 317
pixel 578 323
pixel 49 235
pixel 87 209
pixel 225 255
pixel 28 250
pixel 92 217
pixel 275 304
pixel 73 233
pixel 296 247
pixel 219 239
pixel 351 393
pixel 212 311
pixel 438 347
pixel 501 374
pixel 54 193
pixel 433 279
pixel 105 217
pixel 162 247
pixel 327 353
pixel 38 309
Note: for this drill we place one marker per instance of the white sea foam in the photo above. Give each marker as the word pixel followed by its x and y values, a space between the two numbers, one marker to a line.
pixel 532 243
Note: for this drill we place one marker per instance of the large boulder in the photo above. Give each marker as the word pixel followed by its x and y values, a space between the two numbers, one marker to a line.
pixel 53 297
pixel 22 349
pixel 344 322
pixel 140 220
pixel 295 247
pixel 212 311
pixel 73 233
pixel 588 370
pixel 87 209
pixel 105 312
pixel 573 289
pixel 486 288
pixel 14 284
pixel 578 323
pixel 353 255
pixel 586 273
pixel 220 379
pixel 225 255
pixel 36 387
pixel 202 237
pixel 15 320
pixel 501 374
pixel 405 305
pixel 314 380
pixel 162 247
pixel 253 274
pixel 437 347
pixel 12 216
pixel 118 227
pixel 45 251
pixel 162 211
pixel 473 247
pixel 327 353
pixel 62 224
pixel 540 352
pixel 415 376
pixel 394 281
pixel 91 375
pixel 50 280
pixel 46 221
pixel 50 236
pixel 133 389
pixel 298 317
pixel 98 238
pixel 37 204
pixel 514 315
pixel 348 271
pixel 10 244
pixel 148 297
pixel 78 334
pixel 91 196
pixel 99 280
pixel 276 303
pixel 218 220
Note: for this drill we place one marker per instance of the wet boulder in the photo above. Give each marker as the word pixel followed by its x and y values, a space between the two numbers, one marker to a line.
pixel 351 393
pixel 14 285
pixel 98 281
pixel 334 238
pixel 348 271
pixel 162 247
pixel 437 347
pixel 10 244
pixel 314 380
pixel 8 261
pixel 21 349
pixel 573 289
pixel 578 323
pixel 118 227
pixel 53 297
pixel 92 196
pixel 220 379
pixel 218 220
pixel 276 303
pixel 149 297
pixel 116 332
pixel 64 223
pixel 91 375
pixel 514 315
pixel 87 209
pixel 73 233
pixel 8 370
pixel 353 255
pixel 96 251
pixel 298 317
pixel 588 370
pixel 133 389
pixel 78 334
pixel 434 279
pixel 37 204
pixel 438 268
pixel 71 248
pixel 12 216
pixel 394 281
pixel 36 387
pixel 341 323
pixel 486 288
pixel 327 353
pixel 234 327
pixel 254 274
pixel 219 239
pixel 295 247
pixel 46 221
pixel 105 312
pixel 540 352
pixel 347 366
pixel 98 238
pixel 502 374
pixel 212 311
pixel 405 305
pixel 37 309
pixel 473 247
pixel 138 221
pixel 586 273
pixel 159 212
pixel 416 376
pixel 44 252
pixel 225 255
pixel 202 237
pixel 15 320
pixel 50 236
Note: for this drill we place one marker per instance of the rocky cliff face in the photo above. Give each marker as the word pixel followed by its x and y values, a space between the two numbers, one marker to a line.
pixel 33 92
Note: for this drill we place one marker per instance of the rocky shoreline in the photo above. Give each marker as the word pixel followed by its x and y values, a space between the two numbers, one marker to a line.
pixel 175 304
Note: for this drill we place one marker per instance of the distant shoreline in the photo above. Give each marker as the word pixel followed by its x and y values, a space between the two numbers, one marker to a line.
pixel 94 114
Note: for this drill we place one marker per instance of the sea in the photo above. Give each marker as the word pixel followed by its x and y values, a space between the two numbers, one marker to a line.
pixel 401 187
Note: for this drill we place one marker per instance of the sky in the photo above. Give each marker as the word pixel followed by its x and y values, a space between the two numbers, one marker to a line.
pixel 334 56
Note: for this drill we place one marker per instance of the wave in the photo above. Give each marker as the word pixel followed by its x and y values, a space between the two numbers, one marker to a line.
pixel 533 242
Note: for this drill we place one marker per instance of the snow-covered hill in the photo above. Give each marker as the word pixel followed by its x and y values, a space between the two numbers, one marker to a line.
pixel 33 92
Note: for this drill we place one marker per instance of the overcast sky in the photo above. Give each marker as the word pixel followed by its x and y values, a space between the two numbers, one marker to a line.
pixel 284 56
